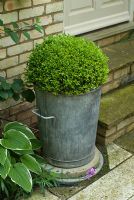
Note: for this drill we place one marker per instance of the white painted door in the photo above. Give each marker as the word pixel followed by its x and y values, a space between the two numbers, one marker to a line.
pixel 81 16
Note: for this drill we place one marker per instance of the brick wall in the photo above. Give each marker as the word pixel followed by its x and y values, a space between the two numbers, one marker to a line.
pixel 13 57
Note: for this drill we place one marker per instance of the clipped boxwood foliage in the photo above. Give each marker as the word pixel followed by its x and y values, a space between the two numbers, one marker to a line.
pixel 65 64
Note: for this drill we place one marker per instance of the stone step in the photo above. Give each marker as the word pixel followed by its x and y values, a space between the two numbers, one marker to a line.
pixel 121 65
pixel 116 114
pixel 111 34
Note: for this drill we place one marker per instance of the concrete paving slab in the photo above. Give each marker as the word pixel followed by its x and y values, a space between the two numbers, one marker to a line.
pixel 118 184
pixel 126 141
pixel 116 155
pixel 113 155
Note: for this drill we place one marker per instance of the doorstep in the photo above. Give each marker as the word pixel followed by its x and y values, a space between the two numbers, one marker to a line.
pixel 116 114
pixel 109 31
pixel 121 65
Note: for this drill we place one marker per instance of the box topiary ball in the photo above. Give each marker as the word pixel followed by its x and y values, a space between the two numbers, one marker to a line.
pixel 65 64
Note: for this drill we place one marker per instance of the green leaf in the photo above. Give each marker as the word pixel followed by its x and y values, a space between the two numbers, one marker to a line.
pixel 15 25
pixel 13 160
pixel 14 36
pixel 4 188
pixel 5 85
pixel 3 155
pixel 2 78
pixel 28 95
pixel 4 169
pixel 16 96
pixel 26 34
pixel 22 152
pixel 16 140
pixel 1 99
pixel 36 144
pixel 17 85
pixel 10 93
pixel 37 20
pixel 4 94
pixel 31 163
pixel 40 159
pixel 21 176
pixel 38 28
pixel 20 127
pixel 1 22
pixel 25 23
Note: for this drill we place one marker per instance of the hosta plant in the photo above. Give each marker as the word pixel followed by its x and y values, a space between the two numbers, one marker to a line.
pixel 17 155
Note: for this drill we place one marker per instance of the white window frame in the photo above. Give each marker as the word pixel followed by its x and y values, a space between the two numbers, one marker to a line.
pixel 131 7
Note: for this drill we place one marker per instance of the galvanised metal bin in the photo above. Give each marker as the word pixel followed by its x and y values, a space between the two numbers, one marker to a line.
pixel 68 126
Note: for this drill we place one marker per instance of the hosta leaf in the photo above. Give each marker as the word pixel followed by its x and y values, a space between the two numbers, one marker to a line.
pixel 16 140
pixel 36 144
pixel 22 152
pixel 11 125
pixel 4 169
pixel 13 160
pixel 31 163
pixel 40 159
pixel 3 155
pixel 21 176
pixel 20 127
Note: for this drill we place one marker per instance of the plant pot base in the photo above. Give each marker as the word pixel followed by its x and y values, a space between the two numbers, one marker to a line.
pixel 75 175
